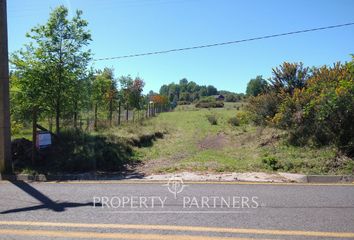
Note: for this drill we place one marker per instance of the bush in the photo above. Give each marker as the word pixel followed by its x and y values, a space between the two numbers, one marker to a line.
pixel 243 117
pixel 210 105
pixel 16 127
pixel 264 107
pixel 78 151
pixel 232 98
pixel 183 103
pixel 316 109
pixel 209 102
pixel 271 163
pixel 322 112
pixel 212 119
pixel 234 121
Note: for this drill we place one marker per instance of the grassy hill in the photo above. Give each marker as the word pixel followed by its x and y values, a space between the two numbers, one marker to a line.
pixel 192 143
pixel 186 140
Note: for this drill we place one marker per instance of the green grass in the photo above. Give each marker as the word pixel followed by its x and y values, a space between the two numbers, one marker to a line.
pixel 191 143
pixel 242 148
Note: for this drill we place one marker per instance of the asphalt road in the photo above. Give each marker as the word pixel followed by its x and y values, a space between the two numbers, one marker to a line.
pixel 196 211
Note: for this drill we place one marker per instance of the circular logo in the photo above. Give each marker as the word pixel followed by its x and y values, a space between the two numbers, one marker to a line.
pixel 175 186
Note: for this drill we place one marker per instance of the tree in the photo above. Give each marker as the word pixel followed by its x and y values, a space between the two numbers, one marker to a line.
pixel 289 76
pixel 59 46
pixel 164 90
pixel 132 90
pixel 160 101
pixel 256 86
pixel 28 98
pixel 211 90
pixel 27 85
pixel 186 91
pixel 103 90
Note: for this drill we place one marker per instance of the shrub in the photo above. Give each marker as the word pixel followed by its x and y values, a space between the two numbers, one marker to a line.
pixel 271 163
pixel 243 117
pixel 264 107
pixel 212 119
pixel 323 111
pixel 77 151
pixel 232 97
pixel 210 105
pixel 316 109
pixel 234 121
pixel 183 103
pixel 209 102
pixel 16 127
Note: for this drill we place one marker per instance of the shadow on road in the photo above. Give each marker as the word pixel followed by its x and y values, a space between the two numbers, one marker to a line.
pixel 46 202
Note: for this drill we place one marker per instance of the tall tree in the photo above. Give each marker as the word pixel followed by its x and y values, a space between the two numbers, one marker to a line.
pixel 289 76
pixel 256 86
pixel 60 46
pixel 211 90
pixel 103 93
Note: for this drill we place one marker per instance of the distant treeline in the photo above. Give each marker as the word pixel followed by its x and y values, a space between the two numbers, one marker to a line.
pixel 188 91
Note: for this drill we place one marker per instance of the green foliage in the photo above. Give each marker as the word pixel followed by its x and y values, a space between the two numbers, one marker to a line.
pixel 79 151
pixel 256 86
pixel 16 127
pixel 288 77
pixel 233 97
pixel 271 163
pixel 212 119
pixel 316 108
pixel 324 110
pixel 243 117
pixel 50 69
pixel 209 102
pixel 186 91
pixel 131 91
pixel 264 107
pixel 214 104
pixel 183 103
pixel 234 121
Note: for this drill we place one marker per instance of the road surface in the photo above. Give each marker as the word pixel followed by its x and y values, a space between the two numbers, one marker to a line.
pixel 175 210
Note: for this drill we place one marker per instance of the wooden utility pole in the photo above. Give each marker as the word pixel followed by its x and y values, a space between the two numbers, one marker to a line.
pixel 5 139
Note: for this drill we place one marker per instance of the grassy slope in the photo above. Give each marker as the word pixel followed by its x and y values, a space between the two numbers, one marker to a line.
pixel 193 144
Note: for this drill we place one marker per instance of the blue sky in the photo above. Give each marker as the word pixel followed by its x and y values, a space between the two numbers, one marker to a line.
pixel 121 27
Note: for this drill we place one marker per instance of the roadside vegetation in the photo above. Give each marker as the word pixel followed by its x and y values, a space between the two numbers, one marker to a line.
pixel 314 105
pixel 195 143
pixel 300 120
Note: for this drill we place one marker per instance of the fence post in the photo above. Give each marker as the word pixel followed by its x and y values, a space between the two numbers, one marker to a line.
pixel 127 113
pixel 119 109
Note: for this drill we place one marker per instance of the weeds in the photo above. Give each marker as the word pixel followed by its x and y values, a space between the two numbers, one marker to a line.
pixel 212 119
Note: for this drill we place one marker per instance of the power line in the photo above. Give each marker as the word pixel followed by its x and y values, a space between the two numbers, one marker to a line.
pixel 225 43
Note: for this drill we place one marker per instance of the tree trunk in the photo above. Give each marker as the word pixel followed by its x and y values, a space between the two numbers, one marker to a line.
pixel 127 113
pixel 95 120
pixel 57 118
pixel 75 115
pixel 110 112
pixel 119 110
pixel 50 121
pixel 34 135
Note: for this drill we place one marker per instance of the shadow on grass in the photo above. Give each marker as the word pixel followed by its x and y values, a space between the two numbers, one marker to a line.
pixel 77 151
pixel 147 140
